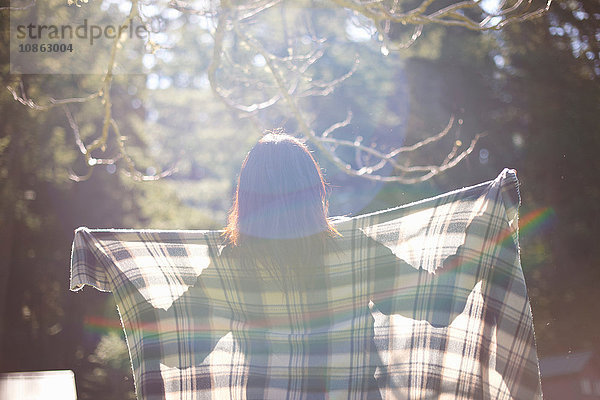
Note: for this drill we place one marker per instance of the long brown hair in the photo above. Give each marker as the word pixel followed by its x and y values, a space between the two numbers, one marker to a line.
pixel 278 220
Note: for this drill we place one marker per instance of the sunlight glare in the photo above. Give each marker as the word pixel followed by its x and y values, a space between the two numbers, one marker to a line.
pixel 358 32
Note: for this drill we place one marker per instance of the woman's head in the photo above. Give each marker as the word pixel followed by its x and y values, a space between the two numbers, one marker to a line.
pixel 281 193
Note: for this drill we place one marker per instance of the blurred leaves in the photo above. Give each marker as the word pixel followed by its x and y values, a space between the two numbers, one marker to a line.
pixel 110 375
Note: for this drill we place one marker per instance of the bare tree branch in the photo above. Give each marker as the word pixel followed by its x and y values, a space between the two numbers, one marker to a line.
pixel 323 88
pixel 108 122
pixel 75 129
pixel 131 169
pixel 286 79
pixel 23 99
pixel 184 7
pixel 451 15
pixel 338 125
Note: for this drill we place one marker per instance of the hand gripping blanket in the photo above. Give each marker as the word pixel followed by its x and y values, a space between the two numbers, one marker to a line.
pixel 421 301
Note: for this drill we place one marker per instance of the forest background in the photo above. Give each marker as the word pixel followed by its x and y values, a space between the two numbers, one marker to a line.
pixel 531 88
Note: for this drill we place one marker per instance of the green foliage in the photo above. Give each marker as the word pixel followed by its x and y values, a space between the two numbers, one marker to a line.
pixel 110 374
pixel 556 97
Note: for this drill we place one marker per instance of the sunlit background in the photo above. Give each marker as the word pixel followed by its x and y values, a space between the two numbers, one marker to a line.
pixel 531 89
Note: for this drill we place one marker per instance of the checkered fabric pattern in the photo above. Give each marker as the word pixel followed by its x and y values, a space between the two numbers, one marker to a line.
pixel 422 301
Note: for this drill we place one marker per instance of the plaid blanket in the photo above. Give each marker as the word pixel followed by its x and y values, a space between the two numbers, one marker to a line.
pixel 422 301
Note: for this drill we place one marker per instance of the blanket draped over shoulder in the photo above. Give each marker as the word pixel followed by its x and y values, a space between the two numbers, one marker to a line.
pixel 421 301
